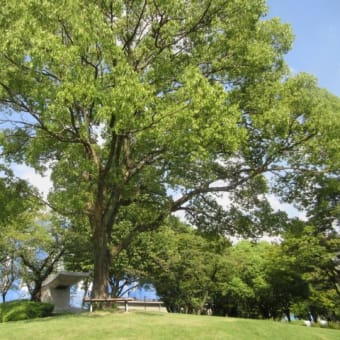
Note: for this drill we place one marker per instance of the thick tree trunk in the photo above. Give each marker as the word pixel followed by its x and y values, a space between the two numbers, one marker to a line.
pixel 101 263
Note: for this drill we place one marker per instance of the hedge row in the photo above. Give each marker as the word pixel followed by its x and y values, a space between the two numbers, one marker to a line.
pixel 23 310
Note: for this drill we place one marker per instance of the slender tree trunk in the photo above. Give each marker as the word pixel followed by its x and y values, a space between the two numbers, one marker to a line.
pixel 36 292
pixel 315 317
pixel 86 290
pixel 204 300
pixel 287 312
pixel 4 297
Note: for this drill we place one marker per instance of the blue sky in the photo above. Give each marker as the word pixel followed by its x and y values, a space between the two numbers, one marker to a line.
pixel 316 50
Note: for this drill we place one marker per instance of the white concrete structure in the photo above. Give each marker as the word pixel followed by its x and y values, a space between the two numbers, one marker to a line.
pixel 56 289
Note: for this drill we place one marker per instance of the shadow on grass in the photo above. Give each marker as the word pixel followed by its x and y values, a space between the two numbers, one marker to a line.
pixel 149 313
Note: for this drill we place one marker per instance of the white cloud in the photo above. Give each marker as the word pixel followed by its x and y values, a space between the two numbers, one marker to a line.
pixel 181 215
pixel 288 208
pixel 98 132
pixel 42 183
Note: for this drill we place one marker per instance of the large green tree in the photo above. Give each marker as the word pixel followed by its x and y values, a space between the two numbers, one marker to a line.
pixel 8 274
pixel 312 255
pixel 31 248
pixel 187 269
pixel 142 108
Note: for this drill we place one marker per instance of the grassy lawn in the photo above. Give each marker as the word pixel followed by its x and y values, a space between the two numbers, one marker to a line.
pixel 139 325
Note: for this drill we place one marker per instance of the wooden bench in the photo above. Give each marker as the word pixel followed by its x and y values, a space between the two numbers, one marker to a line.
pixel 126 302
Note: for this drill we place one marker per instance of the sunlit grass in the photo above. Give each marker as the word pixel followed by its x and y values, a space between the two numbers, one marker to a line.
pixel 141 325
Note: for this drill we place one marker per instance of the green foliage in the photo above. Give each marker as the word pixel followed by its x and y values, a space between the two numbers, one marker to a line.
pixel 39 247
pixel 185 267
pixel 18 203
pixel 9 272
pixel 33 244
pixel 23 310
pixel 247 291
pixel 313 255
pixel 16 199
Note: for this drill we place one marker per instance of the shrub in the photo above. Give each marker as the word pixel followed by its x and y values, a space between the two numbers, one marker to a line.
pixel 23 310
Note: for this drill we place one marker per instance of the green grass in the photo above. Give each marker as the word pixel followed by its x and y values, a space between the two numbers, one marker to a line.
pixel 141 325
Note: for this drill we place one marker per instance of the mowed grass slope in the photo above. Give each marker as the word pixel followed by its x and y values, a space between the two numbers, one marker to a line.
pixel 156 326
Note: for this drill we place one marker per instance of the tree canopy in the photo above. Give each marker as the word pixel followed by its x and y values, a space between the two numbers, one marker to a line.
pixel 143 108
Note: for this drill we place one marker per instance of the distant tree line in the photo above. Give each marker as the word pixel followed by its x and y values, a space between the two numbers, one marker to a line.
pixel 193 272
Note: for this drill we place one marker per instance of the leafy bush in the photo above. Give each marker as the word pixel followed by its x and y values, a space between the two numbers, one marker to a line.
pixel 22 310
